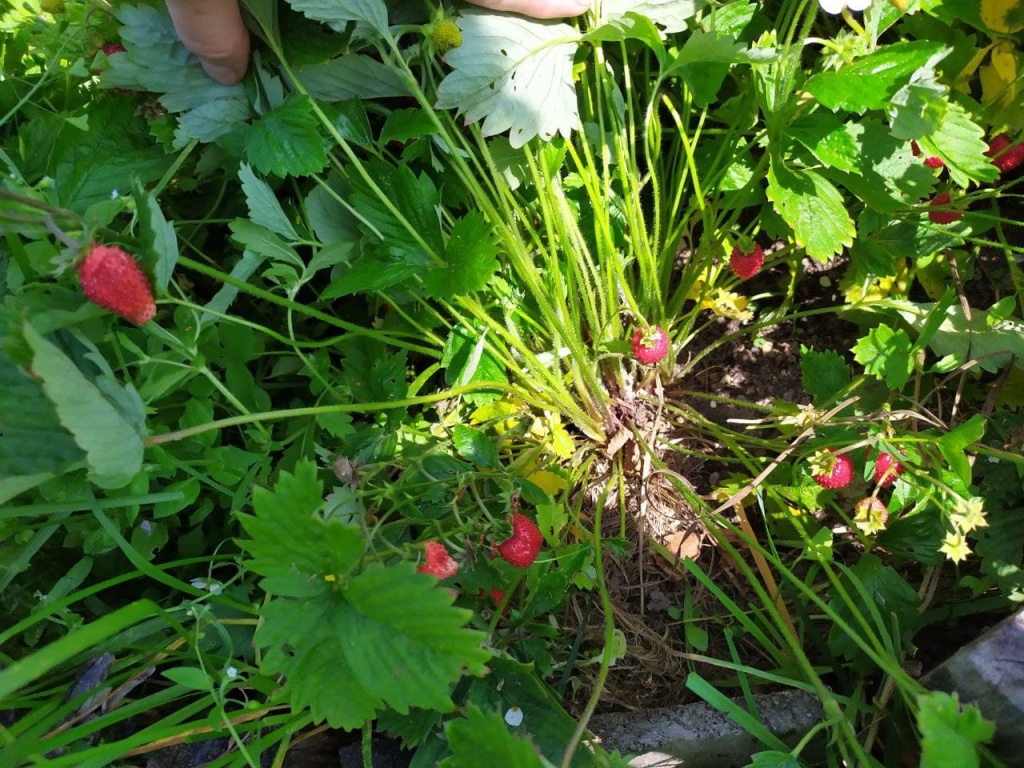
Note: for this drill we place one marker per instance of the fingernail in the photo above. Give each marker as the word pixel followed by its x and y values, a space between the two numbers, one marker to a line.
pixel 222 73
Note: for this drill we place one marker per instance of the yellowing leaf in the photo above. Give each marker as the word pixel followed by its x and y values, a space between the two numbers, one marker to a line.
pixel 548 482
pixel 1005 16
pixel 999 77
pixel 728 304
pixel 559 441
pixel 498 412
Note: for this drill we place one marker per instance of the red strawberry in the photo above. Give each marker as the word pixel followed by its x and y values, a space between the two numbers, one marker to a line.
pixel 522 548
pixel 1005 157
pixel 835 470
pixel 941 216
pixel 931 162
pixel 887 469
pixel 650 345
pixel 114 280
pixel 439 562
pixel 111 48
pixel 746 265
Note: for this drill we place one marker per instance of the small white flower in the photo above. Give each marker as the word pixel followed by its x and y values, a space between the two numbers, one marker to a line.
pixel 213 587
pixel 231 673
pixel 114 194
pixel 514 716
pixel 835 7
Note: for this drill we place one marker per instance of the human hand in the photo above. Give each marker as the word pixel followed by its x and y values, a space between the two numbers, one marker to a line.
pixel 213 29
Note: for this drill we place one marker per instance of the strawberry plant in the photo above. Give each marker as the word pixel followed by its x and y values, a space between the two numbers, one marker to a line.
pixel 445 326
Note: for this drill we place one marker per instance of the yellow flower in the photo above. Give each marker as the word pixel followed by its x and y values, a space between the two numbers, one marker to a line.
pixel 728 304
pixel 969 515
pixel 955 546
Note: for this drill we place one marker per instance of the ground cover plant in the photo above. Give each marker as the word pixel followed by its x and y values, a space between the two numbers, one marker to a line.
pixel 458 375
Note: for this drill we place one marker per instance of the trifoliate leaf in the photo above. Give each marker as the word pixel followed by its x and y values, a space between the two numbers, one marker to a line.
pixel 950 734
pixel 670 14
pixel 515 74
pixel 814 208
pixel 264 209
pixel 385 637
pixel 887 354
pixel 112 443
pixel 285 140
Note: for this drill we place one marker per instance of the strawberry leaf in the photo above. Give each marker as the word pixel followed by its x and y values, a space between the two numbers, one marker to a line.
pixel 353 76
pixel 887 354
pixel 484 739
pixel 111 439
pixel 159 241
pixel 670 14
pixel 390 633
pixel 515 74
pixel 950 734
pixel 338 15
pixel 470 257
pixel 32 440
pixel 264 209
pixel 825 374
pixel 285 140
pixel 814 208
pixel 959 141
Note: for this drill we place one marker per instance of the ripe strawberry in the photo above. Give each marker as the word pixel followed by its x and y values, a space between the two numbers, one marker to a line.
pixel 931 162
pixel 111 48
pixel 940 216
pixel 439 563
pixel 833 470
pixel 870 515
pixel 650 345
pixel 114 280
pixel 522 548
pixel 746 265
pixel 1004 156
pixel 887 469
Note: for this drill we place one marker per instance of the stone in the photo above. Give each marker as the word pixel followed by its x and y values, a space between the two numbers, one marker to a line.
pixel 990 673
pixel 699 736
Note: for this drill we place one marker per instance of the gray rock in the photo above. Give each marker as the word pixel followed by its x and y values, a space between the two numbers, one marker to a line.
pixel 699 736
pixel 990 673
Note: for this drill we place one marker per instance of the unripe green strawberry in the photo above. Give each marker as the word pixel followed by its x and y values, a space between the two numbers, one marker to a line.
pixel 522 547
pixel 438 563
pixel 746 264
pixel 445 35
pixel 832 470
pixel 114 280
pixel 650 345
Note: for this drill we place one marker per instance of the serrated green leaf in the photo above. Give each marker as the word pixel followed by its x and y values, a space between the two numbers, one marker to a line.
pixel 953 444
pixel 886 354
pixel 297 552
pixel 407 124
pixel 515 74
pixel 261 241
pixel 264 209
pixel 484 739
pixel 470 256
pixel 959 141
pixel 670 14
pixel 830 140
pixel 113 447
pixel 950 735
pixel 814 208
pixel 825 374
pixel 160 244
pixel 703 62
pixel 474 446
pixel 353 76
pixel 390 634
pixel 285 141
pixel 338 15
pixel 872 81
pixel 33 442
